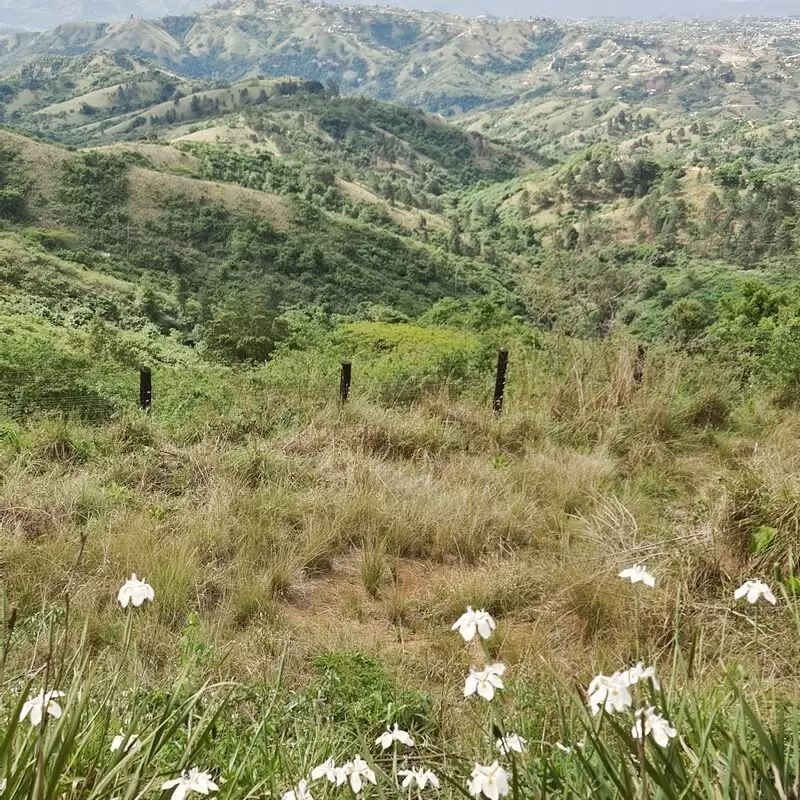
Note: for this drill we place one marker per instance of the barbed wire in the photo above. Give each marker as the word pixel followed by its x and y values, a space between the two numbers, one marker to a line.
pixel 248 395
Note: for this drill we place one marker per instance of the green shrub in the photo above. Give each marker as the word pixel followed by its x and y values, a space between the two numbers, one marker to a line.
pixel 354 690
pixel 405 361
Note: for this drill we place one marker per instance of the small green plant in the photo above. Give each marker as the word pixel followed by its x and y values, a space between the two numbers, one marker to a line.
pixel 761 539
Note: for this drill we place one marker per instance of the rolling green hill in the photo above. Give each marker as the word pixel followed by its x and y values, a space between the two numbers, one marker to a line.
pixel 189 224
pixel 607 177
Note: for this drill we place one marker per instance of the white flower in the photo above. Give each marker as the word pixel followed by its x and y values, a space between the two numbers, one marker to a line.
pixel 300 792
pixel 390 736
pixel 753 590
pixel 485 681
pixel 195 781
pixel 638 574
pixel 654 725
pixel 610 692
pixel 356 771
pixel 133 742
pixel 330 771
pixel 135 592
pixel 491 781
pixel 639 672
pixel 419 776
pixel 511 742
pixel 471 621
pixel 580 744
pixel 3 784
pixel 37 706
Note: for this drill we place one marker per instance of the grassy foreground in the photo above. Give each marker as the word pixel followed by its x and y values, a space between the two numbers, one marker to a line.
pixel 308 563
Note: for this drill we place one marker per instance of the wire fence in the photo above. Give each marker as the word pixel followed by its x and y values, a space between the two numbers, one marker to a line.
pixel 95 404
pixel 165 392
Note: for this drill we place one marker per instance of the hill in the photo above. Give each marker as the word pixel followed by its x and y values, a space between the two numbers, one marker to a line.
pixel 451 63
pixel 290 214
pixel 609 213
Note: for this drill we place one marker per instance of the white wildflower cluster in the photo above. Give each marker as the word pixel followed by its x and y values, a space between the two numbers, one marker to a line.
pixel 356 773
pixel 472 622
pixel 43 703
pixel 300 792
pixel 134 592
pixel 489 781
pixel 638 574
pixel 613 694
pixel 192 781
pixel 392 735
pixel 418 777
pixel 649 723
pixel 485 682
pixel 754 591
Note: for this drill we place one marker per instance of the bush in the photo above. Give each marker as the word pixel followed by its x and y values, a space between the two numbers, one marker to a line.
pixel 404 361
pixel 356 692
pixel 245 328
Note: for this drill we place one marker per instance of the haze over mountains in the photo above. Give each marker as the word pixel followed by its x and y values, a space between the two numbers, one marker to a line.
pixel 42 14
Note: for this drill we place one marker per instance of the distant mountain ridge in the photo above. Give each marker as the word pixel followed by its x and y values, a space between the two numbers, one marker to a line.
pixel 450 63
pixel 44 14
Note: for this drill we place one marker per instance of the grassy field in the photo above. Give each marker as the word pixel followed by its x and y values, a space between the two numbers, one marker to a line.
pixel 308 562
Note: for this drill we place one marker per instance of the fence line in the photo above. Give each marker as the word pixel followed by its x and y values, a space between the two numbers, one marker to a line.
pixel 94 402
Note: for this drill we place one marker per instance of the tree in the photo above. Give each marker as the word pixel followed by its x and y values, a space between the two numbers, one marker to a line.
pixel 245 327
pixel 616 177
pixel 688 318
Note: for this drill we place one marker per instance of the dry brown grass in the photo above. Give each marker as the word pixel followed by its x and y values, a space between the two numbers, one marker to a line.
pixel 372 528
pixel 149 188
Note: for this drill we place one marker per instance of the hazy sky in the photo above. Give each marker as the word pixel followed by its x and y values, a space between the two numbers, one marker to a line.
pixel 39 14
pixel 612 8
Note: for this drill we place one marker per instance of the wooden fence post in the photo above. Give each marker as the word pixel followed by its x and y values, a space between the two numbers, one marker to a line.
pixel 500 381
pixel 145 389
pixel 638 367
pixel 344 381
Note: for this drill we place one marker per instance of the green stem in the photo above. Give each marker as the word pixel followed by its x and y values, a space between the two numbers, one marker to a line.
pixel 755 645
pixel 643 760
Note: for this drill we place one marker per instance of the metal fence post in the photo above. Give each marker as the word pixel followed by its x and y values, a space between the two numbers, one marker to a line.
pixel 145 389
pixel 500 381
pixel 344 381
